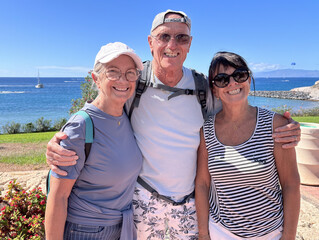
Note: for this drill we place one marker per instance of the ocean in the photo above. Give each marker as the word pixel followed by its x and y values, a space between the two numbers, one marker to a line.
pixel 21 102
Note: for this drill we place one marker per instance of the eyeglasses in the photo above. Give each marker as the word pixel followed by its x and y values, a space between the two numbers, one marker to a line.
pixel 114 74
pixel 222 80
pixel 164 38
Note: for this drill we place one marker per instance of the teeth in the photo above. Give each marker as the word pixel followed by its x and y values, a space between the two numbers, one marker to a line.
pixel 120 89
pixel 171 54
pixel 233 92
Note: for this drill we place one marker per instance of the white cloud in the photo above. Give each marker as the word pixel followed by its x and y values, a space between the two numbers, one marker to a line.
pixel 74 68
pixel 261 67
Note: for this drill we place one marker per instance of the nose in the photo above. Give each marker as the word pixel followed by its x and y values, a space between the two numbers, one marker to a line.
pixel 232 81
pixel 172 42
pixel 123 77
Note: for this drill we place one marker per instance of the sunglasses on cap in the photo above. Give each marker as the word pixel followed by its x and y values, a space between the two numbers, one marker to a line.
pixel 222 80
pixel 164 38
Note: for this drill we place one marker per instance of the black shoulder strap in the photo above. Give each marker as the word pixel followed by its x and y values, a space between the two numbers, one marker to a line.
pixel 201 86
pixel 141 86
pixel 89 136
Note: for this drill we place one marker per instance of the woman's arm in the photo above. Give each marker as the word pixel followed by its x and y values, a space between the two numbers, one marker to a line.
pixel 202 186
pixel 290 183
pixel 56 208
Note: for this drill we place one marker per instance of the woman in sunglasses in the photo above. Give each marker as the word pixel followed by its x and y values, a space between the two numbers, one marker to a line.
pixel 247 185
pixel 94 201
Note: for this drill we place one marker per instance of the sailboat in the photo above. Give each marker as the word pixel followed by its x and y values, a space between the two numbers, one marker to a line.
pixel 39 85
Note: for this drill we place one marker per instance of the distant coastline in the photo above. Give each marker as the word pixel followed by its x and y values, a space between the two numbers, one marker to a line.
pixel 310 93
pixel 288 73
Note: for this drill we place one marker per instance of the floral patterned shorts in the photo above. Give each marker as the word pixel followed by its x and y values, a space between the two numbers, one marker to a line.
pixel 158 219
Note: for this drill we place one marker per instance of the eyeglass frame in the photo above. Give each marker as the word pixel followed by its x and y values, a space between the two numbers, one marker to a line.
pixel 121 74
pixel 157 38
pixel 231 75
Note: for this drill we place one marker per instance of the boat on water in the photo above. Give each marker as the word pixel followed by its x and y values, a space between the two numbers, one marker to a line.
pixel 39 85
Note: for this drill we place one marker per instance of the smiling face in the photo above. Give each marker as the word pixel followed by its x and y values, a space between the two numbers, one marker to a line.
pixel 234 92
pixel 169 56
pixel 116 91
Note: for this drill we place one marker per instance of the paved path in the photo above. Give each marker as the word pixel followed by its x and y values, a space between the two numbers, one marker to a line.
pixel 308 226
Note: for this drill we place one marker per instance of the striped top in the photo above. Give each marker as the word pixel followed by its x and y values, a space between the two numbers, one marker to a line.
pixel 245 194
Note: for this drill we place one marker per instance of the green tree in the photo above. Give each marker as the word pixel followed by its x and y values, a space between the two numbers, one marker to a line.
pixel 88 94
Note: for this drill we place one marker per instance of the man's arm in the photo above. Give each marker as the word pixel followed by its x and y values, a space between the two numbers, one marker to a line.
pixel 59 156
pixel 289 134
pixel 202 186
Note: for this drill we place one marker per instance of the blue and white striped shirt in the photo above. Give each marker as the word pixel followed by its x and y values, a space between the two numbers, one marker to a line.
pixel 245 193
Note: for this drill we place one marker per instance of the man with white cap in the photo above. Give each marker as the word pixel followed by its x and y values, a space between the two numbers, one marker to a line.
pixel 167 132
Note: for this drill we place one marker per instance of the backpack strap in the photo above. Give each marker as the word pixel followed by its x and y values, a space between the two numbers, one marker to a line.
pixel 201 86
pixel 141 86
pixel 89 136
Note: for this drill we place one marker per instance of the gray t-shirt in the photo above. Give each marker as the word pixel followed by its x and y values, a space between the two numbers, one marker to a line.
pixel 105 182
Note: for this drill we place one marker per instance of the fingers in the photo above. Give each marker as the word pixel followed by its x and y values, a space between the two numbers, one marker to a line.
pixel 290 127
pixel 58 170
pixel 54 146
pixel 289 141
pixel 55 159
pixel 287 115
pixel 289 145
pixel 59 136
pixel 294 134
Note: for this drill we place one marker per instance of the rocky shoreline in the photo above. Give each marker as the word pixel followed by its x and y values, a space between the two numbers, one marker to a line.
pixel 303 93
pixel 282 94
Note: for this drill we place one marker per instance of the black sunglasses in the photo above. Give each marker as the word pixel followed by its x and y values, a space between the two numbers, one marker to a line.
pixel 240 75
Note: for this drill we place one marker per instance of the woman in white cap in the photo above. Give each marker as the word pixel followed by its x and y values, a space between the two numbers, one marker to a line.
pixel 247 185
pixel 94 201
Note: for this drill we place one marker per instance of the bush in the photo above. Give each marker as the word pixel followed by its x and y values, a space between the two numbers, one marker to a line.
pixel 28 127
pixel 42 125
pixel 59 124
pixel 11 128
pixel 88 94
pixel 282 109
pixel 22 217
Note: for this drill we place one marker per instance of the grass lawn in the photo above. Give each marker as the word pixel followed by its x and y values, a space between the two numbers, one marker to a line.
pixel 29 148
pixel 24 149
pixel 311 119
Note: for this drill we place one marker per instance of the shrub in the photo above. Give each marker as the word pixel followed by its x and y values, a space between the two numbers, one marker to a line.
pixel 28 127
pixel 11 128
pixel 88 94
pixel 282 109
pixel 42 125
pixel 22 217
pixel 59 124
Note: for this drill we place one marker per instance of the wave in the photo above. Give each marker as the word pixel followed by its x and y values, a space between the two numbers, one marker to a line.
pixel 73 81
pixel 286 80
pixel 17 85
pixel 11 92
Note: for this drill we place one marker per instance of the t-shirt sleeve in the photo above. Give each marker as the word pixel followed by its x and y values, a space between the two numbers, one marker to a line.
pixel 75 129
pixel 214 105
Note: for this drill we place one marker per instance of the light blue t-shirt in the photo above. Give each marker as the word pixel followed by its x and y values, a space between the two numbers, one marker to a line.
pixel 103 191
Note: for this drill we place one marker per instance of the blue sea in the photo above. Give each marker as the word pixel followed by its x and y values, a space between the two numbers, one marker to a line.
pixel 21 102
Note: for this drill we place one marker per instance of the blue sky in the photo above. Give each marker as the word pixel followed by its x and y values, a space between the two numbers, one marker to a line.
pixel 61 38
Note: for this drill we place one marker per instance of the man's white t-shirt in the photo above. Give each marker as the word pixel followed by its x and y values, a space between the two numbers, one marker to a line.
pixel 167 133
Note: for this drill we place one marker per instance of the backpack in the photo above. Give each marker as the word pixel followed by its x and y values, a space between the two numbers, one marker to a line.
pixel 201 86
pixel 89 136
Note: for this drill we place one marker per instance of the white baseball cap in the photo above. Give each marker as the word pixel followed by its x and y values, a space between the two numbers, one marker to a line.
pixel 111 51
pixel 160 19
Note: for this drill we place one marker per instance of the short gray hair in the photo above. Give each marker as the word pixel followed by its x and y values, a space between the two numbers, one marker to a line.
pixel 98 69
